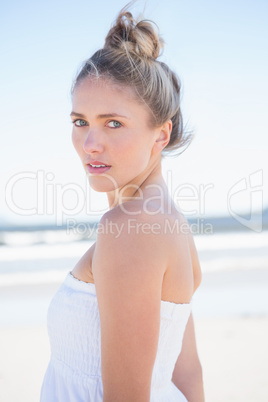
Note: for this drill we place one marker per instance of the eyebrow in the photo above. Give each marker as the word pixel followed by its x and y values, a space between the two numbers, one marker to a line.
pixel 100 116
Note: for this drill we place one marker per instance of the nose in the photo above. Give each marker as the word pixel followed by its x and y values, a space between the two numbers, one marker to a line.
pixel 93 142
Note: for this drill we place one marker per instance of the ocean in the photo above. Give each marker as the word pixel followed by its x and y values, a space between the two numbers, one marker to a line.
pixel 234 267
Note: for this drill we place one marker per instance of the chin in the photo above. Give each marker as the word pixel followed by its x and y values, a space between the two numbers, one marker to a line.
pixel 102 184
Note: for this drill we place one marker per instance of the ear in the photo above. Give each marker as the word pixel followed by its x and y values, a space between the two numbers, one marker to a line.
pixel 163 137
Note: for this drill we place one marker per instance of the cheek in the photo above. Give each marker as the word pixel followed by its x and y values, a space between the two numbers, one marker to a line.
pixel 141 149
pixel 136 157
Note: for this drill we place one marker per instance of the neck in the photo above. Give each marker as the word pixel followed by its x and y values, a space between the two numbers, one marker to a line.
pixel 139 187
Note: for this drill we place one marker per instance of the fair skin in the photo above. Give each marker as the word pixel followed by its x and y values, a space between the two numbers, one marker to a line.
pixel 137 269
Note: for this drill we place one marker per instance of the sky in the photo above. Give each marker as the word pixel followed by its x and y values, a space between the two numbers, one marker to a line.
pixel 219 51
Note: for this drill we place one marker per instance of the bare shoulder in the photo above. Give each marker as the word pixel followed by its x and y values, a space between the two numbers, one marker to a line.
pixel 135 220
pixel 129 234
pixel 134 244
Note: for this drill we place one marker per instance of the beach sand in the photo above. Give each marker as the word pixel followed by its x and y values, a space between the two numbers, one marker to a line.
pixel 233 353
pixel 234 356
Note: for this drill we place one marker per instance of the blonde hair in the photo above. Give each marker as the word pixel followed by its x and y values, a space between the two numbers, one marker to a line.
pixel 130 57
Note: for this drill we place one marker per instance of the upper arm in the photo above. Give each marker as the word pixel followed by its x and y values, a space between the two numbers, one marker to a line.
pixel 187 374
pixel 128 271
pixel 188 361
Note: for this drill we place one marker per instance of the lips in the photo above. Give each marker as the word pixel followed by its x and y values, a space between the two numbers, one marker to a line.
pixel 98 163
pixel 98 168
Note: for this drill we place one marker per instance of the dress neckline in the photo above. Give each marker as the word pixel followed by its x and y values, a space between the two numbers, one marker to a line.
pixel 92 285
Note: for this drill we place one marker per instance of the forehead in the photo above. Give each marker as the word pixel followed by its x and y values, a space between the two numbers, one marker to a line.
pixel 103 87
pixel 104 94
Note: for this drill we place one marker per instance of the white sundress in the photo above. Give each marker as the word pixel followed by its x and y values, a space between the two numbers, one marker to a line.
pixel 74 370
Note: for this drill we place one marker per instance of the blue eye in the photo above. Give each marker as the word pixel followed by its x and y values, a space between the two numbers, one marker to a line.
pixel 80 123
pixel 114 124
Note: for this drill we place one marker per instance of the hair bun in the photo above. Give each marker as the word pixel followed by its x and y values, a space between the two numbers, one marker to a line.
pixel 136 37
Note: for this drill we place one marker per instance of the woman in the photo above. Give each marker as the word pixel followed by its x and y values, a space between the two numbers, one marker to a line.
pixel 117 322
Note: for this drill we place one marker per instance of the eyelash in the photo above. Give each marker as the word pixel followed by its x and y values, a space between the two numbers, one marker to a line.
pixel 74 121
pixel 115 121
